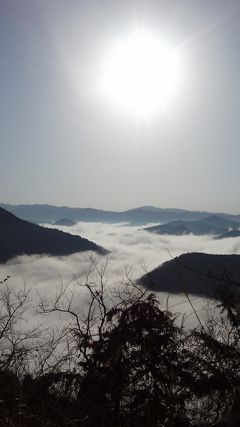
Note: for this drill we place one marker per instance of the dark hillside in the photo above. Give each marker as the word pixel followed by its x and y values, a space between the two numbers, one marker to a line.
pixel 18 237
pixel 197 273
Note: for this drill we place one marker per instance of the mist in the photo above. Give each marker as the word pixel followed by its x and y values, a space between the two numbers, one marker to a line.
pixel 132 250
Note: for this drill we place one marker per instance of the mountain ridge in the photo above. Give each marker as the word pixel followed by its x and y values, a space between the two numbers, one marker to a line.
pixel 44 213
pixel 19 237
pixel 213 224
pixel 196 273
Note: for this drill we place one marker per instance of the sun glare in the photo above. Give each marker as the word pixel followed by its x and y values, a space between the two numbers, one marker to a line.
pixel 142 74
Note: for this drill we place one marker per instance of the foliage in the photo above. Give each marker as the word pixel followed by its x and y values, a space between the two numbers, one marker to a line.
pixel 121 362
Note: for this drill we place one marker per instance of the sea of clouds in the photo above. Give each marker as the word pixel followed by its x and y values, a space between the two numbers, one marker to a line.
pixel 131 248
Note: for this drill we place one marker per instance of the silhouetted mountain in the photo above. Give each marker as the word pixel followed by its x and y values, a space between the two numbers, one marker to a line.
pixel 65 222
pixel 232 233
pixel 195 273
pixel 18 237
pixel 138 216
pixel 213 224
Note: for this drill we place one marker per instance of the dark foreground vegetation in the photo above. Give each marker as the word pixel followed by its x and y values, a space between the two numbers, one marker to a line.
pixel 121 360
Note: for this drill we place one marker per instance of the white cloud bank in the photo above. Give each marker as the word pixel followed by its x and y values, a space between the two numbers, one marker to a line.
pixel 128 246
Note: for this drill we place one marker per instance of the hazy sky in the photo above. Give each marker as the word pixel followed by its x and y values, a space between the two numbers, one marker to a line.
pixel 61 142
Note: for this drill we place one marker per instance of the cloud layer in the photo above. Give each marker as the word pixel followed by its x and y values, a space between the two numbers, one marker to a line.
pixel 130 247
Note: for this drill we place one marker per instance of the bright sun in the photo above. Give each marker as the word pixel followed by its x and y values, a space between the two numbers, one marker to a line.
pixel 142 75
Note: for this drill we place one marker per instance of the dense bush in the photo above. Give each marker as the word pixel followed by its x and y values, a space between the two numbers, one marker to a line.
pixel 124 362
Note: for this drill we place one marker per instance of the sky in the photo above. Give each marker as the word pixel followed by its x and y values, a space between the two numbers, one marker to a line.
pixel 62 143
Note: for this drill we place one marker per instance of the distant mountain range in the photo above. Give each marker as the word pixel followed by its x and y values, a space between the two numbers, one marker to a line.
pixel 18 237
pixel 214 224
pixel 195 273
pixel 139 216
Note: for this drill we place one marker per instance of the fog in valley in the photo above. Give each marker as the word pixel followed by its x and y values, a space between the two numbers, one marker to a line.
pixel 132 251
